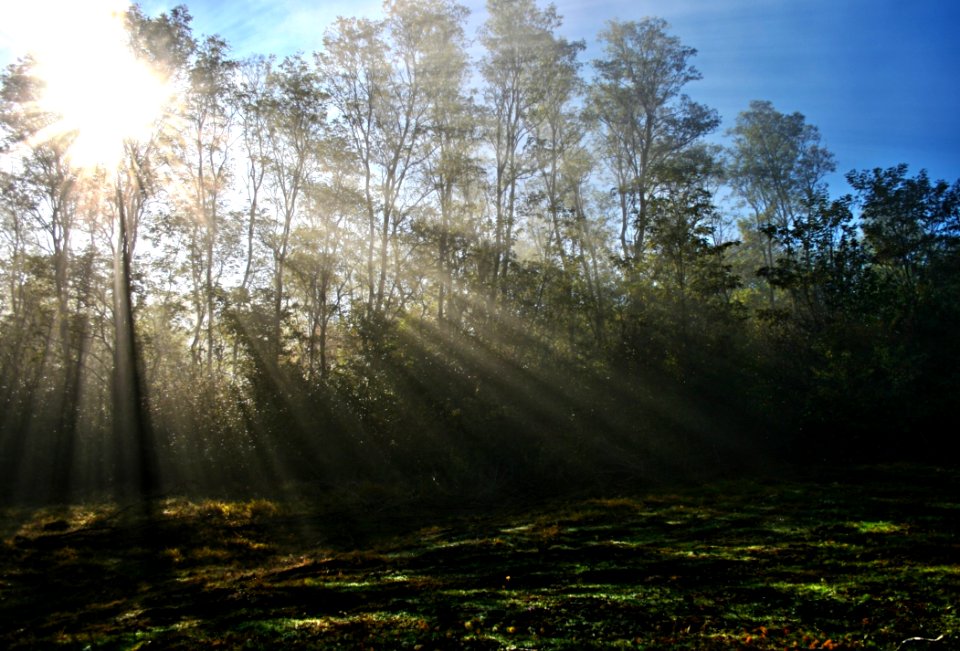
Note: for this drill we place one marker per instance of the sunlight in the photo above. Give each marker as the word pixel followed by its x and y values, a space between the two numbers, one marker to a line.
pixel 92 80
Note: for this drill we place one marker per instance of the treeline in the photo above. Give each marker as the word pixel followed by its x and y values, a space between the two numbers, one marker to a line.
pixel 391 262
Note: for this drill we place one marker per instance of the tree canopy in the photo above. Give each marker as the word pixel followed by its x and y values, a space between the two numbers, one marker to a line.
pixel 409 259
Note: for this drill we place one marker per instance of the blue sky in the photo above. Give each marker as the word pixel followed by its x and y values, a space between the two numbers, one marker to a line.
pixel 878 77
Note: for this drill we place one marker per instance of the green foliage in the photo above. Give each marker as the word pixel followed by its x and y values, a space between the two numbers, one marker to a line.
pixel 910 224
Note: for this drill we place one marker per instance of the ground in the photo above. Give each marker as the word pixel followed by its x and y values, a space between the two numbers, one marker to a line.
pixel 849 560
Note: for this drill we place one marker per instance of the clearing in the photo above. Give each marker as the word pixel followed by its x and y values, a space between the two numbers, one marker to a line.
pixel 849 561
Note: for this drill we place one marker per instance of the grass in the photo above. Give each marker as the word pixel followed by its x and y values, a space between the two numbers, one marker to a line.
pixel 842 562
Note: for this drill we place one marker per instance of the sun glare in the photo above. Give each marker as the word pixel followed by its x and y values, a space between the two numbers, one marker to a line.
pixel 93 82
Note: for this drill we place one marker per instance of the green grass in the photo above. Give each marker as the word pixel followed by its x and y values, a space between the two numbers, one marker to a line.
pixel 843 562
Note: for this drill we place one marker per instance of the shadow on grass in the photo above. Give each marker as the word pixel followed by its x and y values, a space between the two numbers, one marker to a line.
pixel 844 562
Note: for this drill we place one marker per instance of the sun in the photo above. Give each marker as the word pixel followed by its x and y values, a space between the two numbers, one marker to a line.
pixel 100 92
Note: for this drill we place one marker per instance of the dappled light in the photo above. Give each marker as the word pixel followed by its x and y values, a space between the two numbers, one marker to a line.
pixel 743 564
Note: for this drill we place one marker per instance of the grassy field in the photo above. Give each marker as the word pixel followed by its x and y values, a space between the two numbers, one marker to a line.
pixel 863 560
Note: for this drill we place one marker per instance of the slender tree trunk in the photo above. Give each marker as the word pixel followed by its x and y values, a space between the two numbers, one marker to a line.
pixel 384 255
pixel 131 406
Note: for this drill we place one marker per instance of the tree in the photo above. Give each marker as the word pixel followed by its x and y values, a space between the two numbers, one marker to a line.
pixel 253 101
pixel 321 264
pixel 452 124
pixel 644 116
pixel 561 166
pixel 126 193
pixel 136 446
pixel 911 225
pixel 296 131
pixel 355 72
pixel 519 39
pixel 777 166
pixel 204 148
pixel 689 265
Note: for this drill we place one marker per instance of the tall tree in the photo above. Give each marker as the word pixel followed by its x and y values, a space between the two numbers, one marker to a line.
pixel 520 42
pixel 355 72
pixel 452 124
pixel 645 118
pixel 164 42
pixel 253 101
pixel 561 165
pixel 205 150
pixel 777 166
pixel 296 130
pixel 133 186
